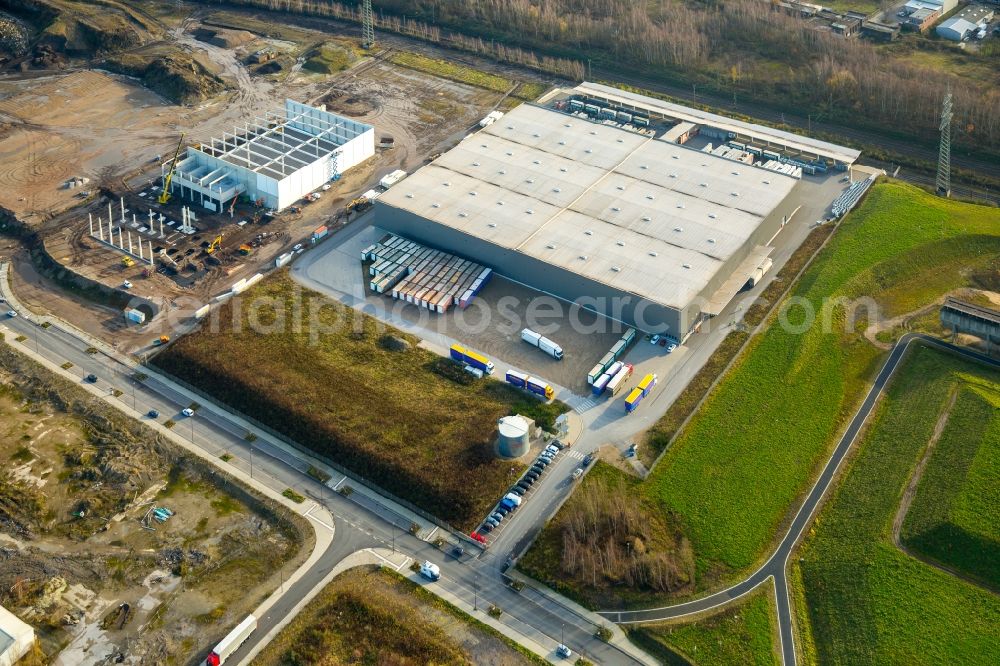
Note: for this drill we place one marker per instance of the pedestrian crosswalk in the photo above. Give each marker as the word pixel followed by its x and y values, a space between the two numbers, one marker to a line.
pixel 576 455
pixel 580 405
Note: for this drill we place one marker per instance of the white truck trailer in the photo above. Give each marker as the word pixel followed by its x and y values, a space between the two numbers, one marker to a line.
pixel 543 343
pixel 232 642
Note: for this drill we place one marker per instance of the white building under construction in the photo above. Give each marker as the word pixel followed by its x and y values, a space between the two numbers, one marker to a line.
pixel 278 158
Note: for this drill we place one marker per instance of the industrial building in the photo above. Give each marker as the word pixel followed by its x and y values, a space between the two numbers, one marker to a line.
pixel 971 21
pixel 16 638
pixel 606 212
pixel 277 159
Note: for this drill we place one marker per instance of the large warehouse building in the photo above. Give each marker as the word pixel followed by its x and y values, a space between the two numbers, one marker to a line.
pixel 610 215
pixel 279 158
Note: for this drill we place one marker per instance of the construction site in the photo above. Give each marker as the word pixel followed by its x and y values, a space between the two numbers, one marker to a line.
pixel 140 198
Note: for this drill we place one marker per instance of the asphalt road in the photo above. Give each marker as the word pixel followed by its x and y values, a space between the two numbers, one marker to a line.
pixel 776 566
pixel 474 578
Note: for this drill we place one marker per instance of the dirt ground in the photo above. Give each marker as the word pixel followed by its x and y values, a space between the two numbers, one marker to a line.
pixel 91 124
pixel 83 559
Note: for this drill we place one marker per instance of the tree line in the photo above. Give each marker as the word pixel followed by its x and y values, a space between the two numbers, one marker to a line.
pixel 745 46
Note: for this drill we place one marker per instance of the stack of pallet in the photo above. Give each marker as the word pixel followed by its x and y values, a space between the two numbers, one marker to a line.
pixel 423 276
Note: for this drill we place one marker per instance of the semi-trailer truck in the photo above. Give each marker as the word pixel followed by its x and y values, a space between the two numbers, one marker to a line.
pixel 537 386
pixel 602 382
pixel 543 343
pixel 619 381
pixel 232 642
pixel 633 400
pixel 469 357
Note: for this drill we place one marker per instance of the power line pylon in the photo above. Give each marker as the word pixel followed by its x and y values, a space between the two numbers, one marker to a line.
pixel 944 153
pixel 367 25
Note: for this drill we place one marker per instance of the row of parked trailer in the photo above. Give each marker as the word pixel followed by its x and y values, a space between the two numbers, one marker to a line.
pixel 613 379
pixel 536 386
pixel 616 352
pixel 637 395
pixel 423 276
pixel 601 112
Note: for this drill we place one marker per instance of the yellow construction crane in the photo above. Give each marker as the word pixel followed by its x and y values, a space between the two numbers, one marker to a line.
pixel 216 244
pixel 165 194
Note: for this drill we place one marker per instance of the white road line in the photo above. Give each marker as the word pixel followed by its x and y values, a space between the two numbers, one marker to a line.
pixel 433 532
pixel 308 514
pixel 337 487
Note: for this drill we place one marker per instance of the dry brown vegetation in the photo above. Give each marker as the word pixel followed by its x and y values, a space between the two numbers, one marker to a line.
pixel 607 544
pixel 387 414
pixel 741 46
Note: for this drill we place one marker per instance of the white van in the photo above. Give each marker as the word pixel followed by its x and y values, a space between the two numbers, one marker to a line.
pixel 430 571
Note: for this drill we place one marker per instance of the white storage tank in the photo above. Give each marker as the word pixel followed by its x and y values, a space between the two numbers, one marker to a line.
pixel 514 440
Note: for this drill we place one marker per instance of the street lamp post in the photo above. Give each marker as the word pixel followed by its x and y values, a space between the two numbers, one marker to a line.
pixel 251 460
pixel 475 585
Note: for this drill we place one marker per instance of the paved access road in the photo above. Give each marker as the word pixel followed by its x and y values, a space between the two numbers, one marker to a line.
pixel 358 522
pixel 776 565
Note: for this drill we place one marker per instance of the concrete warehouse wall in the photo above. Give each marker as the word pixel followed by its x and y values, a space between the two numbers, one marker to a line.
pixel 637 311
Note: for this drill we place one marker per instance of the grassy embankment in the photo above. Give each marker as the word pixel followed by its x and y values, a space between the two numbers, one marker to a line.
pixel 955 515
pixel 406 419
pixel 741 634
pixel 526 90
pixel 378 617
pixel 867 600
pixel 731 477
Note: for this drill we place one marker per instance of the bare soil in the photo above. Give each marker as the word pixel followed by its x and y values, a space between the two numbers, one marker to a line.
pixel 82 558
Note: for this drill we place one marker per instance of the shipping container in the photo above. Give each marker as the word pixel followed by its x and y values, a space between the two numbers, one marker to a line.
pixel 463 355
pixel 620 380
pixel 647 383
pixel 319 233
pixel 575 105
pixel 601 383
pixel 629 336
pixel 594 373
pixel 633 400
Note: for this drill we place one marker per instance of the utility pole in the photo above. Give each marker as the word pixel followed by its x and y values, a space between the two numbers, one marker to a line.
pixel 475 587
pixel 367 25
pixel 251 460
pixel 944 151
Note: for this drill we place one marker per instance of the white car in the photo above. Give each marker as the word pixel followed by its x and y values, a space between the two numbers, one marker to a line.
pixel 325 187
pixel 564 651
pixel 577 473
pixel 11 313
pixel 430 571
pixel 187 411
pixel 654 340
pixel 126 284
pixel 671 346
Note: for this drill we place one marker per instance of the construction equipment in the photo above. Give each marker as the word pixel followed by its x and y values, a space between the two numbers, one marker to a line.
pixel 162 340
pixel 214 246
pixel 245 249
pixel 127 261
pixel 165 194
pixel 359 205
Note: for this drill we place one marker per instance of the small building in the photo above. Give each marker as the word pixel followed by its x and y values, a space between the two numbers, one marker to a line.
pixel 956 29
pixel 16 638
pixel 962 317
pixel 879 32
pixel 921 20
pixel 514 438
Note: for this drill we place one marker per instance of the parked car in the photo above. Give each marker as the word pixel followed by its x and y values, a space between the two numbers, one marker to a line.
pixel 552 449
pixel 577 473
pixel 11 314
pixel 508 504
pixel 523 486
pixel 497 516
pixel 517 490
pixel 672 346
pixel 153 414
pixel 514 497
pixel 187 411
pixel 532 476
pixel 430 571
pixel 538 467
pixel 558 444
pixel 457 550
pixel 91 378
pixel 587 459
pixel 126 284
pixel 654 340
pixel 542 460
pixel 490 523
pixel 564 651
pixel 477 536
pixel 545 455
pixel 502 511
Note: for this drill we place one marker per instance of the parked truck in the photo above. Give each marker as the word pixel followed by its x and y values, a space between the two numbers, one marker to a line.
pixel 646 384
pixel 633 400
pixel 536 386
pixel 602 382
pixel 232 642
pixel 620 380
pixel 543 343
pixel 469 357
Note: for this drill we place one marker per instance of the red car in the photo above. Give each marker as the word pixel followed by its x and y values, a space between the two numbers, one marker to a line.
pixel 478 537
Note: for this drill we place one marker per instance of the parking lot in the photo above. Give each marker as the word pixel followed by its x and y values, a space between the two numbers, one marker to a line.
pixel 491 325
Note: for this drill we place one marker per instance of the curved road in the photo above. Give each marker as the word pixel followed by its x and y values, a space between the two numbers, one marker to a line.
pixel 775 567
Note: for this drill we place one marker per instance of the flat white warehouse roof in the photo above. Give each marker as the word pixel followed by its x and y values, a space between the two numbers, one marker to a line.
pixel 639 214
pixel 687 114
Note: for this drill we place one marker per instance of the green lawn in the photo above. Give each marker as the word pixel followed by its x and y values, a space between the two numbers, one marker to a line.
pixel 742 634
pixel 449 70
pixel 869 602
pixel 955 515
pixel 732 475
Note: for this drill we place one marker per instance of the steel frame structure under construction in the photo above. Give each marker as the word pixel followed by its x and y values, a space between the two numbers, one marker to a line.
pixel 277 158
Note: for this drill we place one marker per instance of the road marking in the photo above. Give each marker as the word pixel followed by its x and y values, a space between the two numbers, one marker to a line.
pixel 308 514
pixel 337 487
pixel 576 455
pixel 431 535
pixel 584 404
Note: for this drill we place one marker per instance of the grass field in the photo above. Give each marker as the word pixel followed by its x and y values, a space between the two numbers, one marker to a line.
pixel 955 516
pixel 370 616
pixel 405 420
pixel 329 58
pixel 732 475
pixel 452 71
pixel 868 601
pixel 742 634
